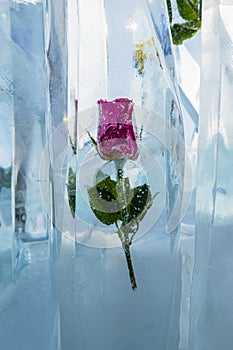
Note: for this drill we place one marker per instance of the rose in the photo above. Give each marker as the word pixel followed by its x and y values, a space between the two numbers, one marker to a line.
pixel 116 136
pixel 116 142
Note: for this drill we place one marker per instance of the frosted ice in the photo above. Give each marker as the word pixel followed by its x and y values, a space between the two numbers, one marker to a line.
pixel 149 317
pixel 27 301
pixel 98 308
pixel 211 300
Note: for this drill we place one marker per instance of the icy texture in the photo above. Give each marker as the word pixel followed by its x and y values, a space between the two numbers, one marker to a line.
pixel 7 288
pixel 117 316
pixel 174 153
pixel 57 75
pixel 56 45
pixel 121 55
pixel 56 67
pixel 29 103
pixel 125 58
pixel 211 317
pixel 25 320
pixel 28 309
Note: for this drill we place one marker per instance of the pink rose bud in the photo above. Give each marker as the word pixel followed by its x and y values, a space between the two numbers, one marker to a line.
pixel 116 137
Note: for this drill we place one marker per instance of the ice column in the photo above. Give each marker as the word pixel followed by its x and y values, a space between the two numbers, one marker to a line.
pixel 29 103
pixel 211 317
pixel 121 55
pixel 56 65
pixel 7 288
pixel 62 110
pixel 174 153
pixel 28 320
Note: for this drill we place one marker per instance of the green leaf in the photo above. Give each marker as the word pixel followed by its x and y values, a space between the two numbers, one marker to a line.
pixel 71 190
pixel 72 201
pixel 107 188
pixel 106 218
pixel 188 9
pixel 103 200
pixel 113 201
pixel 181 32
pixel 139 206
pixel 141 198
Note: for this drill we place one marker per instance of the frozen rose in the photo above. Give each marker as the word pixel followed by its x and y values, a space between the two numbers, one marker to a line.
pixel 116 136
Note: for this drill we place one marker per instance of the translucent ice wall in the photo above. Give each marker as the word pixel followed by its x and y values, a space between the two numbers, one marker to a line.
pixel 121 53
pixel 61 24
pixel 27 306
pixel 211 316
pixel 98 309
pixel 7 289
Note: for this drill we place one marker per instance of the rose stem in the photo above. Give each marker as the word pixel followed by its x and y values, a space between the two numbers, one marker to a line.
pixel 126 248
pixel 119 174
pixel 130 266
pixel 124 238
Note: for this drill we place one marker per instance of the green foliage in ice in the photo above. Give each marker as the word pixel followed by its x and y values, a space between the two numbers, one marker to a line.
pixel 71 190
pixel 190 12
pixel 129 205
